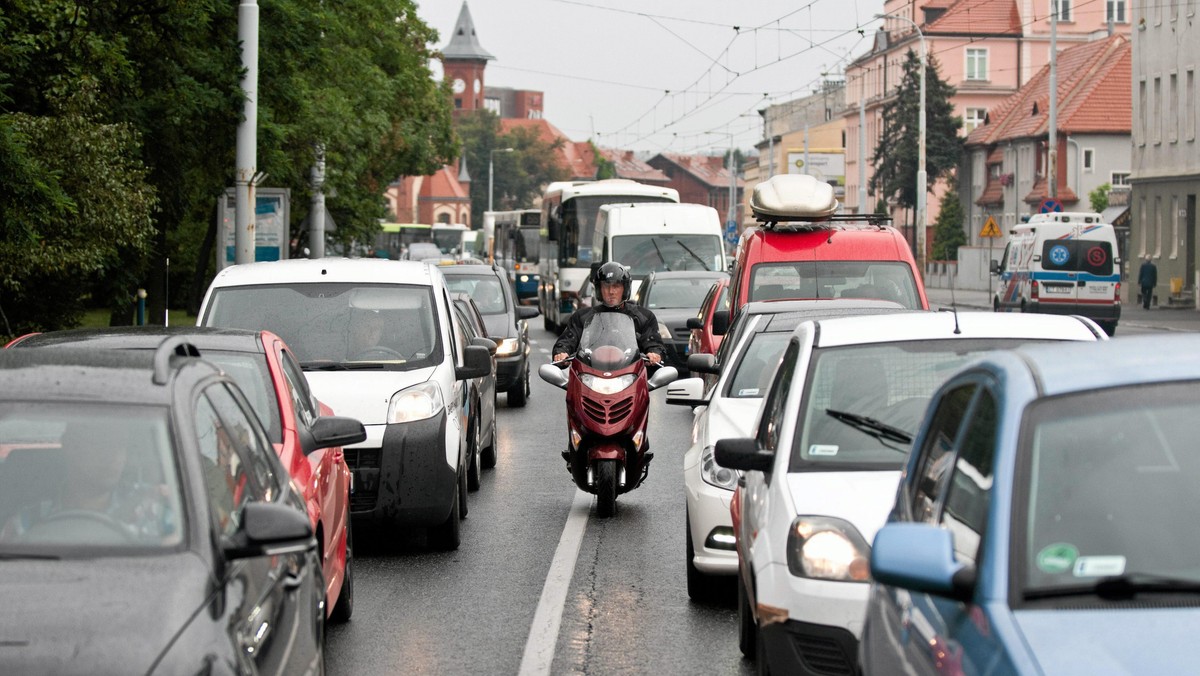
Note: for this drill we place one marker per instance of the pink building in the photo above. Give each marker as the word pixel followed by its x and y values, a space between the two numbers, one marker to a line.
pixel 986 49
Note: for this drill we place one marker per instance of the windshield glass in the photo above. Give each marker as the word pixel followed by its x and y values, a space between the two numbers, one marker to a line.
pixel 485 290
pixel 418 251
pixel 579 225
pixel 643 254
pixel 803 280
pixel 342 325
pixel 609 341
pixel 527 245
pixel 1111 491
pixel 756 365
pixel 448 240
pixel 683 292
pixel 863 403
pixel 87 477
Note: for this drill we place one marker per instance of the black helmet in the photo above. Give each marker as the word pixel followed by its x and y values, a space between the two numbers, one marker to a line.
pixel 611 272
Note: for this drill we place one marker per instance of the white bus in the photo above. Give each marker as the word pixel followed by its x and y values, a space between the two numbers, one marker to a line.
pixel 568 222
pixel 453 240
pixel 515 248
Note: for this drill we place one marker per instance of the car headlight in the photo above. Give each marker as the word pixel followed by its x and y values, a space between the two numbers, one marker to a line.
pixel 418 402
pixel 524 278
pixel 606 385
pixel 716 475
pixel 507 346
pixel 826 548
pixel 664 332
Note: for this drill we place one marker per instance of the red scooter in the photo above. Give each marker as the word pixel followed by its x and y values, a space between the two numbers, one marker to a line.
pixel 608 402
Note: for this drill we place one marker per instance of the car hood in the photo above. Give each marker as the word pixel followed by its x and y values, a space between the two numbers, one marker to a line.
pixel 500 326
pixel 1112 641
pixel 862 498
pixel 90 616
pixel 675 317
pixel 363 394
pixel 730 418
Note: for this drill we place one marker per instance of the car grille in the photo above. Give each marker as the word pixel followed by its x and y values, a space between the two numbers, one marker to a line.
pixel 364 462
pixel 823 655
pixel 612 413
pixel 683 333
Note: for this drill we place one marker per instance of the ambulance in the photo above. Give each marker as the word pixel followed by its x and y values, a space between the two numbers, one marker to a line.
pixel 1062 263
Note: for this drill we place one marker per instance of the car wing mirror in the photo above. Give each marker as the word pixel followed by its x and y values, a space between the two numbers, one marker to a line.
pixel 920 557
pixel 743 454
pixel 686 392
pixel 527 311
pixel 329 431
pixel 695 323
pixel 702 362
pixel 720 322
pixel 486 343
pixel 477 362
pixel 270 529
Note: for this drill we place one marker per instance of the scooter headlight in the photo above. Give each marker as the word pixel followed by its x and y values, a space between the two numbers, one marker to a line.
pixel 826 548
pixel 418 402
pixel 716 475
pixel 606 385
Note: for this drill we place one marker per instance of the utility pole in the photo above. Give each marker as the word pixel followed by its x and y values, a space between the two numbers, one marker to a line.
pixel 862 146
pixel 247 135
pixel 1052 151
pixel 316 217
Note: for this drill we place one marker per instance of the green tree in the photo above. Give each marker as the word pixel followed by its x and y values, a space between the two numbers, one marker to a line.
pixel 896 155
pixel 1098 198
pixel 605 168
pixel 518 177
pixel 948 233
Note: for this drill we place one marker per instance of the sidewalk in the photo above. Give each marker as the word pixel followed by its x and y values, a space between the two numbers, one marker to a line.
pixel 1156 318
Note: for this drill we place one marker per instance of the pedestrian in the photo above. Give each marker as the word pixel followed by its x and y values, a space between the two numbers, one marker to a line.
pixel 1147 280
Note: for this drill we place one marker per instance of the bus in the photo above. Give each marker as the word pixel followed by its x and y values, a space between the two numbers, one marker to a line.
pixel 568 223
pixel 453 240
pixel 515 248
pixel 394 238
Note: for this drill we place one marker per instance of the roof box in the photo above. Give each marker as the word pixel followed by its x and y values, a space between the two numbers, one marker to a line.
pixel 793 197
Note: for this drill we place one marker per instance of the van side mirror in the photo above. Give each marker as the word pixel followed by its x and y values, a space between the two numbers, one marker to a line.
pixel 995 267
pixel 477 363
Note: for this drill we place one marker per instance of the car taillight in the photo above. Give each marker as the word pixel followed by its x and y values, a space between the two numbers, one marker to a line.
pixel 1117 292
pixel 1033 290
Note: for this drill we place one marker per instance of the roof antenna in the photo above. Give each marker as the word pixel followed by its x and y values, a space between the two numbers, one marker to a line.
pixel 954 303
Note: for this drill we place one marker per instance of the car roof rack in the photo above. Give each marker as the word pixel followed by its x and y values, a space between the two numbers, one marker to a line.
pixel 171 346
pixel 804 203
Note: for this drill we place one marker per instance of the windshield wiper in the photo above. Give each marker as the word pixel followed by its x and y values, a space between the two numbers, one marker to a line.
pixel 880 430
pixel 324 365
pixel 693 254
pixel 660 256
pixel 17 556
pixel 1124 586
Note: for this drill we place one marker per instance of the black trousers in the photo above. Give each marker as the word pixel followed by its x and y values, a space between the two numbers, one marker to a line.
pixel 1147 293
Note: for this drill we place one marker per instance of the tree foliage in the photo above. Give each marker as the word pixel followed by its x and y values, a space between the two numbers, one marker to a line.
pixel 948 233
pixel 1098 198
pixel 896 155
pixel 518 177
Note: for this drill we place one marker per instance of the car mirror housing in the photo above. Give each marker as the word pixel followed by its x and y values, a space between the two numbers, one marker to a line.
pixel 686 392
pixel 270 529
pixel 486 343
pixel 527 312
pixel 703 363
pixel 335 430
pixel 477 362
pixel 920 557
pixel 720 322
pixel 695 323
pixel 743 454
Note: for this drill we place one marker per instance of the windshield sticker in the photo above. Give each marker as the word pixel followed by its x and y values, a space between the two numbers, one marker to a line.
pixel 748 392
pixel 823 449
pixel 1057 558
pixel 1099 566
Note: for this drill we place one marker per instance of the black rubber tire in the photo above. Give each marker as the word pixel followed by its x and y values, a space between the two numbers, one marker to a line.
pixel 517 395
pixel 547 324
pixel 448 535
pixel 699 585
pixel 762 665
pixel 474 471
pixel 488 454
pixel 462 496
pixel 747 629
pixel 344 607
pixel 606 488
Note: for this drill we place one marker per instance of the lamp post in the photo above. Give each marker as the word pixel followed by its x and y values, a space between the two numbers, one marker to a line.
pixel 921 184
pixel 491 160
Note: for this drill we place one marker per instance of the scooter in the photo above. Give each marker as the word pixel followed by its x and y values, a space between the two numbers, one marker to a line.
pixel 608 403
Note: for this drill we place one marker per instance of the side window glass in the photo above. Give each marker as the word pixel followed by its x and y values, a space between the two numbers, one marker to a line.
pixel 970 488
pixel 247 440
pixel 936 452
pixel 455 333
pixel 774 406
pixel 302 399
pixel 226 479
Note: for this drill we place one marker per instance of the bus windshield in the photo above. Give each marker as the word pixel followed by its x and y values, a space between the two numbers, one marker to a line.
pixel 579 225
pixel 449 240
pixel 525 244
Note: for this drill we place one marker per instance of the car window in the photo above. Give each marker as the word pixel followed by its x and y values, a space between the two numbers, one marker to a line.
pixel 247 439
pixel 937 452
pixel 969 491
pixel 883 280
pixel 677 293
pixel 486 290
pixel 755 365
pixel 302 402
pixel 774 408
pixel 226 475
pixel 251 373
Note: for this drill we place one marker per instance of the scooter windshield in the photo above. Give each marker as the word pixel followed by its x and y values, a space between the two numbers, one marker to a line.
pixel 609 341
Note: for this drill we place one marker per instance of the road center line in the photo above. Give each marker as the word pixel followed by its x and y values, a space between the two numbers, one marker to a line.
pixel 543 633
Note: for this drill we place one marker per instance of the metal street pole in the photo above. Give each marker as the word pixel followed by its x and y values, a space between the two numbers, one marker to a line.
pixel 922 186
pixel 491 160
pixel 316 217
pixel 862 146
pixel 1052 154
pixel 247 135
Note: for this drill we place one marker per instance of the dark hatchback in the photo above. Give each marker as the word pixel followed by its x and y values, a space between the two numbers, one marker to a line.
pixel 489 287
pixel 146 523
pixel 675 297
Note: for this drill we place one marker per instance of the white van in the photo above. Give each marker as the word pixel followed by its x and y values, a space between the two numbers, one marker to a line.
pixel 660 237
pixel 377 341
pixel 1061 263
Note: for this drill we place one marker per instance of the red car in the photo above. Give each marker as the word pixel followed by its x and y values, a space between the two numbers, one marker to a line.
pixel 703 340
pixel 264 369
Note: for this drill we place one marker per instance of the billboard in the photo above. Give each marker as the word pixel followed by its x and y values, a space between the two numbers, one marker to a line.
pixel 271 232
pixel 824 164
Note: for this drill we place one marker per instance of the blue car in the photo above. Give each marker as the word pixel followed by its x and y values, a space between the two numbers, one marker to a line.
pixel 1048 519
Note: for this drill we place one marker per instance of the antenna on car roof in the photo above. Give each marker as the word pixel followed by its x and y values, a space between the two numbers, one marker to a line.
pixel 954 307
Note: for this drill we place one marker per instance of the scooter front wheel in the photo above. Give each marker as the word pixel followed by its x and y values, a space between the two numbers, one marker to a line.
pixel 606 488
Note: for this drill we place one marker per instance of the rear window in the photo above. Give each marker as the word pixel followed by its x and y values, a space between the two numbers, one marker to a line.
pixel 1078 255
pixel 805 280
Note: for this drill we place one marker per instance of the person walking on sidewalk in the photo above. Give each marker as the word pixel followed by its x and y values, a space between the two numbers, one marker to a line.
pixel 1147 279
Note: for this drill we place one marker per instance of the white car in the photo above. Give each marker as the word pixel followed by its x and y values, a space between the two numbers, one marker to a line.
pixel 821 472
pixel 743 365
pixel 378 342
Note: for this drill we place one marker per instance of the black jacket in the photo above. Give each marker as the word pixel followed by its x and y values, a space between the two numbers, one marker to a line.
pixel 644 322
pixel 1148 274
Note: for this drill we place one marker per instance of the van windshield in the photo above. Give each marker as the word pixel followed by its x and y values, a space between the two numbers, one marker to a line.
pixel 805 280
pixel 644 254
pixel 1078 255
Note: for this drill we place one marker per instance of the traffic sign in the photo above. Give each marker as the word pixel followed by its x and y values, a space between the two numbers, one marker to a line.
pixel 1050 205
pixel 990 229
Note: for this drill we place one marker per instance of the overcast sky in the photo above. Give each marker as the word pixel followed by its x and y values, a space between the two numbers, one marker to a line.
pixel 662 75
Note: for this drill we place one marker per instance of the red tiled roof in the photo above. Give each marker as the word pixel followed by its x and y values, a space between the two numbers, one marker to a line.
pixel 992 195
pixel 576 157
pixel 708 169
pixel 1039 193
pixel 629 166
pixel 995 157
pixel 991 17
pixel 443 185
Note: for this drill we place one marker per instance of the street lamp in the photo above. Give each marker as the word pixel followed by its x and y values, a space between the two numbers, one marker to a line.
pixel 491 159
pixel 921 185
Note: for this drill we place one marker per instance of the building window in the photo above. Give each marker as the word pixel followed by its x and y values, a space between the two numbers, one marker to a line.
pixel 1173 109
pixel 977 64
pixel 974 118
pixel 1089 160
pixel 1189 121
pixel 1064 10
pixel 1116 11
pixel 1158 227
pixel 1142 114
pixel 1119 178
pixel 1144 227
pixel 1174 216
pixel 458 103
pixel 1157 112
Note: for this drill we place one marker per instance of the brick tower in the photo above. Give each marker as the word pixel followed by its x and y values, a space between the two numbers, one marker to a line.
pixel 463 62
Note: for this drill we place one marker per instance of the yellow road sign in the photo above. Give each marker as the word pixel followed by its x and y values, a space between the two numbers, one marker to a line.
pixel 990 229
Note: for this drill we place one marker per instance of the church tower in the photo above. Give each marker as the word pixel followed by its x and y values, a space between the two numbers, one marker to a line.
pixel 463 62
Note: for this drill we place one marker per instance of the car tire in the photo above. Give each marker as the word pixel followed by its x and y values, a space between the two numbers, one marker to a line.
pixel 462 496
pixel 516 395
pixel 474 471
pixel 747 629
pixel 762 665
pixel 344 607
pixel 699 585
pixel 488 455
pixel 547 323
pixel 448 535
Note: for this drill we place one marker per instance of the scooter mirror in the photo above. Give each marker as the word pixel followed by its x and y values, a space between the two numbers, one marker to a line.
pixel 664 375
pixel 553 375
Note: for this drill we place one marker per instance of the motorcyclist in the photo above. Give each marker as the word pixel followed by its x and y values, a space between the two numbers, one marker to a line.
pixel 612 283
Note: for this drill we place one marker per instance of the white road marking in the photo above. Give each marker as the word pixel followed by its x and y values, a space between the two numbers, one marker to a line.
pixel 544 350
pixel 543 633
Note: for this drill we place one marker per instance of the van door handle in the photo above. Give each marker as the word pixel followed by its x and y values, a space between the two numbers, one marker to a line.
pixel 1081 282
